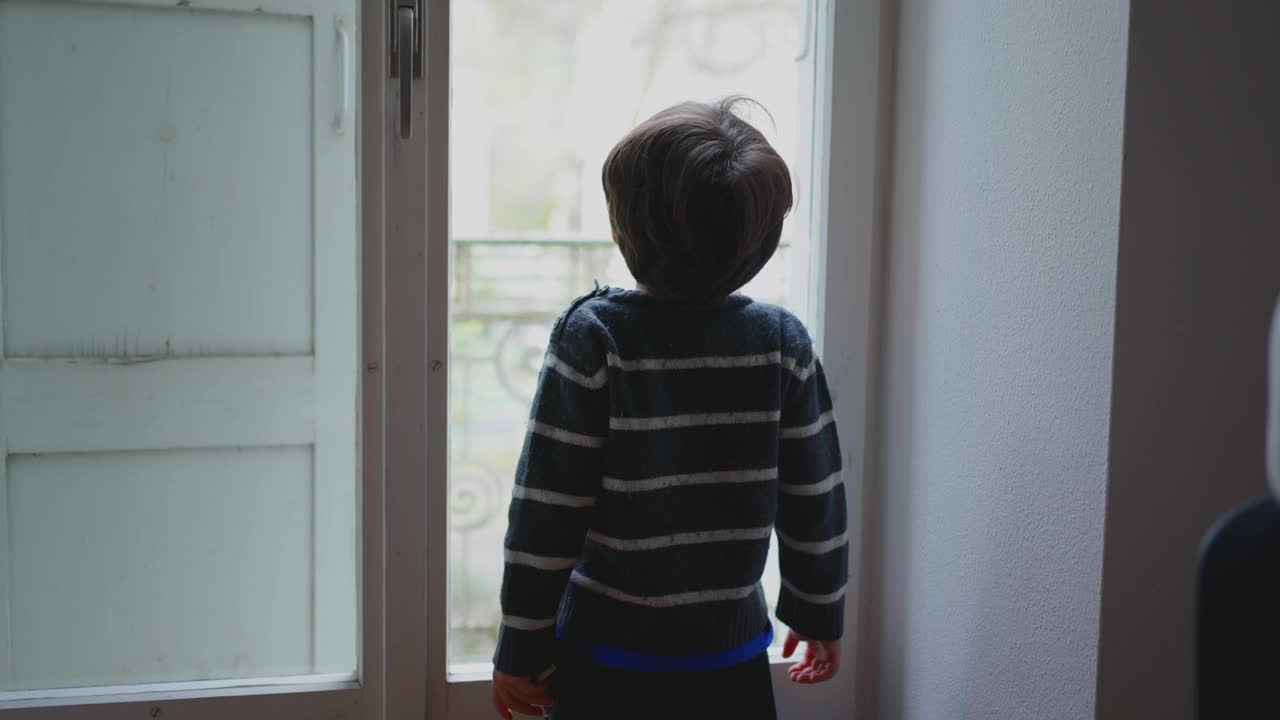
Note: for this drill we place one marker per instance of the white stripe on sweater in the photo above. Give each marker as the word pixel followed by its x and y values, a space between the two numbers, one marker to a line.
pixel 804 431
pixel 705 478
pixel 695 363
pixel 816 599
pixel 551 497
pixel 520 623
pixel 712 361
pixel 820 547
pixel 802 374
pixel 593 382
pixel 657 542
pixel 693 420
pixel 565 436
pixel 662 601
pixel 541 562
pixel 819 488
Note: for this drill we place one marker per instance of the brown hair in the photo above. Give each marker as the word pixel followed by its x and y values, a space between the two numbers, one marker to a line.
pixel 696 199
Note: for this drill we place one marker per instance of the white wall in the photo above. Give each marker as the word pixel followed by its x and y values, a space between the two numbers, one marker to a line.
pixel 1199 271
pixel 1001 266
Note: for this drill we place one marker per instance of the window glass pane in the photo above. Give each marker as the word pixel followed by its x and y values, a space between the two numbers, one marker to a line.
pixel 178 382
pixel 541 91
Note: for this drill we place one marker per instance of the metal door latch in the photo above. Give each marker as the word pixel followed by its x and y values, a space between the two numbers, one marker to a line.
pixel 406 55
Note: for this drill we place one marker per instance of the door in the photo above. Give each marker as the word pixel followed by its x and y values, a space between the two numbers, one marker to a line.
pixel 250 377
pixel 178 382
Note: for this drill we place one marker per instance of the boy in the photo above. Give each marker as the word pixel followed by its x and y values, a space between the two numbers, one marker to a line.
pixel 675 426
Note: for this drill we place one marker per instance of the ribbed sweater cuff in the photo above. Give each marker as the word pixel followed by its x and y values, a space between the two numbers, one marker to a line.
pixel 816 622
pixel 524 653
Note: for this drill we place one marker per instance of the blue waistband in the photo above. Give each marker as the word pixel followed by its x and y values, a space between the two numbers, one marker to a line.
pixel 650 662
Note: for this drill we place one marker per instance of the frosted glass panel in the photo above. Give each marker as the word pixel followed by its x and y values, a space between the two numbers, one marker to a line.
pixel 178 372
pixel 157 162
pixel 152 566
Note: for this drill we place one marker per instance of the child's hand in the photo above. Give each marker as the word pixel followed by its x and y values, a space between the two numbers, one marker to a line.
pixel 821 659
pixel 520 694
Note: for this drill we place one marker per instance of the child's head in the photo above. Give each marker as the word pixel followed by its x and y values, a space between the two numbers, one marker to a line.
pixel 696 198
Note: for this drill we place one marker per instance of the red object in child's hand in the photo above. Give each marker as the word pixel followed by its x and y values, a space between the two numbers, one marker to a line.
pixel 821 659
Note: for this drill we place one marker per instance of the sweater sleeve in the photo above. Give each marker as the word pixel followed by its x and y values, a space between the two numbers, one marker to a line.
pixel 557 480
pixel 812 529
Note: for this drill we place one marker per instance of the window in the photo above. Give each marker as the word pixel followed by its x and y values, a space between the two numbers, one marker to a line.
pixel 541 92
pixel 234 482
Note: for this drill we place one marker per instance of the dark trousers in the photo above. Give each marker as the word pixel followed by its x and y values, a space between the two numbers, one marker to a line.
pixel 586 691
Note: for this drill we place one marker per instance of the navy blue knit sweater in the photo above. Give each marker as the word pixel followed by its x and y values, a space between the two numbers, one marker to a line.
pixel 666 444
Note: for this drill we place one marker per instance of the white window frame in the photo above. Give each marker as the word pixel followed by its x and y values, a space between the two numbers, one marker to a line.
pixel 851 167
pixel 404 388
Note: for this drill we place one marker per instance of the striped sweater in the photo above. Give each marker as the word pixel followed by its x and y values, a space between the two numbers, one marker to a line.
pixel 666 445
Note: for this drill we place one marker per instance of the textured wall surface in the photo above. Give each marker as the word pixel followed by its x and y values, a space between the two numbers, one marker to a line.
pixel 1001 255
